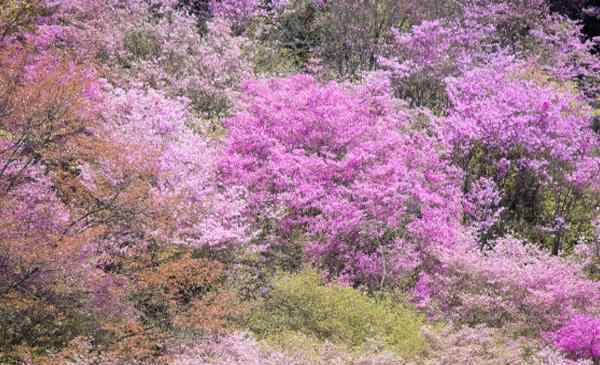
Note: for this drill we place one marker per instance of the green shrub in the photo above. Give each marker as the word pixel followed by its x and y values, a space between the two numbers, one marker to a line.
pixel 141 45
pixel 302 303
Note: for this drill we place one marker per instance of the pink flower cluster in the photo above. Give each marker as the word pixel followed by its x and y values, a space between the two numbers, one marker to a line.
pixel 512 283
pixel 580 337
pixel 343 163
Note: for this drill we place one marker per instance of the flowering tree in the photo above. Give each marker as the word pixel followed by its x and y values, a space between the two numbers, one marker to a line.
pixel 333 162
pixel 534 140
pixel 513 283
pixel 47 102
pixel 175 164
pixel 420 60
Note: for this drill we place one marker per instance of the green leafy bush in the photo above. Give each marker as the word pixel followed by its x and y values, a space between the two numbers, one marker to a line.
pixel 141 45
pixel 303 303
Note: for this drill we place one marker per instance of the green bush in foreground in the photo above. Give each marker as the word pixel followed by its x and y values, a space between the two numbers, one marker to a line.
pixel 303 303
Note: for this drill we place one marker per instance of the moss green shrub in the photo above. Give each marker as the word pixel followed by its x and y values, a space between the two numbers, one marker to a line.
pixel 303 303
pixel 141 45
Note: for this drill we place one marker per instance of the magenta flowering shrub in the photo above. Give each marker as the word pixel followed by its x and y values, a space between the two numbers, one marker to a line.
pixel 237 10
pixel 421 59
pixel 513 283
pixel 503 108
pixel 345 168
pixel 580 337
pixel 561 52
pixel 432 51
pixel 533 139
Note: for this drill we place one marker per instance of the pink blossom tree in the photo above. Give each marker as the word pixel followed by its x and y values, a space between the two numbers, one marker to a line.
pixel 534 139
pixel 344 168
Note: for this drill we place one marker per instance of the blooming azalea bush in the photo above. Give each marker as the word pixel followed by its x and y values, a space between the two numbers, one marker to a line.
pixel 512 283
pixel 580 337
pixel 534 140
pixel 420 60
pixel 318 161
pixel 178 166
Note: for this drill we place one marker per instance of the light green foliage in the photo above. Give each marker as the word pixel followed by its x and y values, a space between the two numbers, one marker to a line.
pixel 303 303
pixel 270 60
pixel 141 45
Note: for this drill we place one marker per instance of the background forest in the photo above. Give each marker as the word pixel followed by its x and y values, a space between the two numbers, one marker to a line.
pixel 302 182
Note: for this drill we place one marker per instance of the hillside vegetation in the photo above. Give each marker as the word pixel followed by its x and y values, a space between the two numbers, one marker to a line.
pixel 304 182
